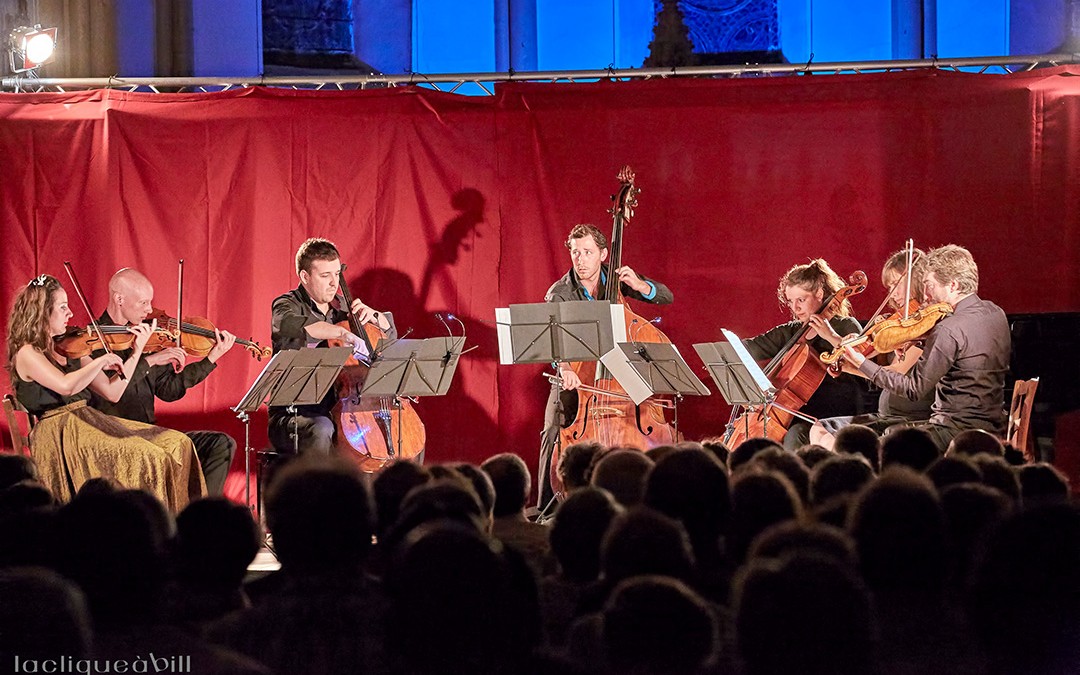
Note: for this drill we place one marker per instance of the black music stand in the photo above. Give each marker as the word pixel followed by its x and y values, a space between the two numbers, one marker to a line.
pixel 645 369
pixel 555 332
pixel 291 378
pixel 411 368
pixel 737 375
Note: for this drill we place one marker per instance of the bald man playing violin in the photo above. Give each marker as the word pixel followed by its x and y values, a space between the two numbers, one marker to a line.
pixel 164 375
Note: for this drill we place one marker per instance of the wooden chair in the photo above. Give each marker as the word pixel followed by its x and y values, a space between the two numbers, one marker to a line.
pixel 20 442
pixel 1018 432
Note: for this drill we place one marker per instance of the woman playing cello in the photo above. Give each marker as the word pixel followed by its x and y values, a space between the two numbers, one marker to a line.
pixel 72 442
pixel 803 290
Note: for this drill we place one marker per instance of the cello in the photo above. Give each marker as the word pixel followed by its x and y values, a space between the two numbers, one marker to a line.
pixel 605 413
pixel 795 372
pixel 372 430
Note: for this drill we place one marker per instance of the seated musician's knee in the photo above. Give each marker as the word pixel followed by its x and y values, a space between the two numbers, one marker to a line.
pixel 320 436
pixel 819 436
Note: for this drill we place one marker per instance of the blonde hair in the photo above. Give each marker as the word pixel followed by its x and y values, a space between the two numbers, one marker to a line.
pixel 954 263
pixel 28 323
pixel 813 276
pixel 897 263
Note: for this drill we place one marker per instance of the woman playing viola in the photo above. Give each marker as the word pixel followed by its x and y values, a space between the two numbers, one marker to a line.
pixel 802 290
pixel 72 442
pixel 892 409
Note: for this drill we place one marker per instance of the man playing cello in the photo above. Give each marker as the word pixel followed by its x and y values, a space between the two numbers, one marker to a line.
pixel 306 317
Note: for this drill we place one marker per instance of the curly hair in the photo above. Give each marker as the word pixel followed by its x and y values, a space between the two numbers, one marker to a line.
pixel 28 323
pixel 585 230
pixel 813 276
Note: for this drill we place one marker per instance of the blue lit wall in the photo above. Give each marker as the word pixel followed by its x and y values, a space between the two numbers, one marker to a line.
pixel 972 27
pixel 462 36
pixel 453 37
pixel 570 33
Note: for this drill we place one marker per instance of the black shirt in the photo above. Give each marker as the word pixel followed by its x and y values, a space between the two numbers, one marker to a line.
pixel 569 289
pixel 149 382
pixel 291 313
pixel 964 363
pixel 837 396
pixel 39 399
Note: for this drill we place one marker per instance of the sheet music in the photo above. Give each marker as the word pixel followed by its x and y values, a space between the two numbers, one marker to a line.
pixel 502 330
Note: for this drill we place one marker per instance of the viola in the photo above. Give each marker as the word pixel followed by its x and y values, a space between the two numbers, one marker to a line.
pixel 891 333
pixel 197 336
pixel 605 413
pixel 795 372
pixel 864 343
pixel 372 430
pixel 897 332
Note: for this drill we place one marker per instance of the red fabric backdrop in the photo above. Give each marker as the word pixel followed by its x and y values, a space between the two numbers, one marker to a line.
pixel 441 202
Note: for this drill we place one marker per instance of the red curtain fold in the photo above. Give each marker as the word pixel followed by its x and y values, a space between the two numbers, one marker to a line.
pixel 444 203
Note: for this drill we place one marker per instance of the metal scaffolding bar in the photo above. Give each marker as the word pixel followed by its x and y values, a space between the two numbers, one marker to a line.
pixel 483 81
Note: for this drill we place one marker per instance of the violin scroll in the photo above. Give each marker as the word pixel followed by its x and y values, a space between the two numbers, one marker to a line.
pixel 257 350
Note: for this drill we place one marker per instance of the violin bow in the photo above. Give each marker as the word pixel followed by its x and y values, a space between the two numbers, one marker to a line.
pixel 910 264
pixel 90 313
pixel 179 305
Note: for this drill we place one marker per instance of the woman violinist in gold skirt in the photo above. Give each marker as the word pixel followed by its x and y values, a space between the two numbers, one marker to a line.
pixel 72 442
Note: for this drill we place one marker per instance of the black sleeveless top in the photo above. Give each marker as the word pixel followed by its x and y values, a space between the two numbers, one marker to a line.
pixel 38 399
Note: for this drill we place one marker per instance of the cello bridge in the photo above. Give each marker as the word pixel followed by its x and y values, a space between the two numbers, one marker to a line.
pixel 603 412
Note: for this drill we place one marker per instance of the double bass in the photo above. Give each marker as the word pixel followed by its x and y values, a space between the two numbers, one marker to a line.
pixel 795 372
pixel 605 412
pixel 372 430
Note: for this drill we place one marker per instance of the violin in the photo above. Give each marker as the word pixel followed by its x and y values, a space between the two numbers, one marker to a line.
pixel 78 341
pixel 372 430
pixel 197 336
pixel 605 412
pixel 796 373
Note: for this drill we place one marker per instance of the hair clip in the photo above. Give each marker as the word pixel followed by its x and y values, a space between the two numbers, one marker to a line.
pixel 39 280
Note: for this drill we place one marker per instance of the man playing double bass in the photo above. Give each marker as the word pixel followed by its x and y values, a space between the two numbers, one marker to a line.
pixel 584 281
pixel 307 317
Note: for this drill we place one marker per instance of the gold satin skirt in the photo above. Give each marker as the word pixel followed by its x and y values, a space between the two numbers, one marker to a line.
pixel 75 443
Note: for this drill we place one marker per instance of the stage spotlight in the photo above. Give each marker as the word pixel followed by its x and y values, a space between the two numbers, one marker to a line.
pixel 30 47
